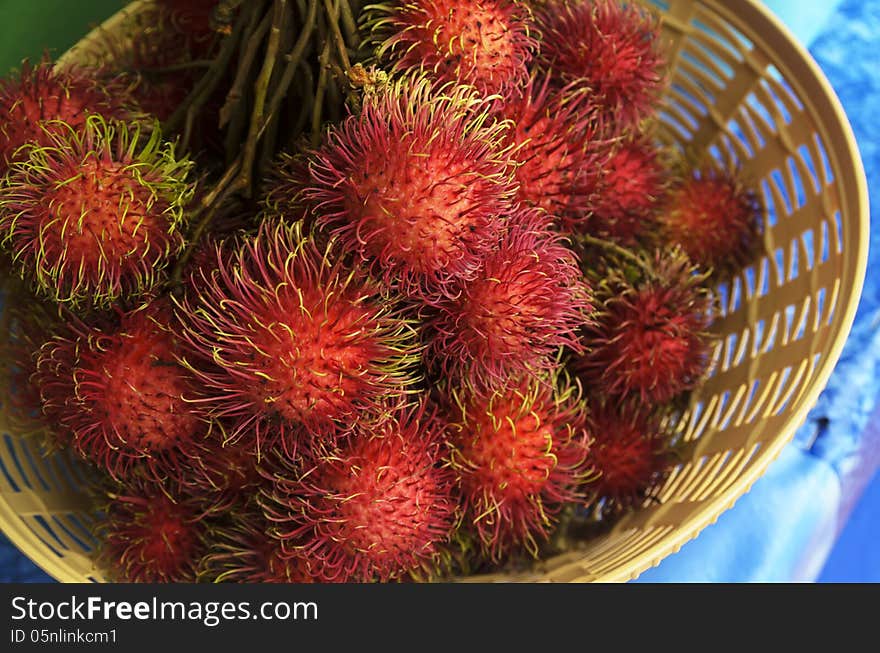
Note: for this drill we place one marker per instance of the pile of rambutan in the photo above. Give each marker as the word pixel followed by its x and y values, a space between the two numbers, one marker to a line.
pixel 423 313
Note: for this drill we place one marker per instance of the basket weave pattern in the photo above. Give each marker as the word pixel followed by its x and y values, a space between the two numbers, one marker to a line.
pixel 745 94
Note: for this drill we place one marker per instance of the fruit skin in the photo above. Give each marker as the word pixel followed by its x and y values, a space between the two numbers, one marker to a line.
pixel 97 214
pixel 379 506
pixel 41 101
pixel 120 393
pixel 286 341
pixel 560 150
pixel 650 335
pixel 528 301
pixel 488 44
pixel 519 454
pixel 150 534
pixel 609 48
pixel 631 194
pixel 630 455
pixel 716 219
pixel 242 551
pixel 418 185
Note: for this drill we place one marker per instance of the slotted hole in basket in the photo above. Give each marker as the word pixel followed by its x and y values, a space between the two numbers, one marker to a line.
pixel 794 383
pixel 806 159
pixel 37 471
pixel 757 337
pixel 84 530
pixel 770 214
pixel 65 470
pixel 802 320
pixel 694 103
pixel 702 76
pixel 763 286
pixel 828 173
pixel 756 129
pixel 781 88
pixel 683 112
pixel 794 261
pixel 661 4
pixel 783 112
pixel 8 475
pixel 748 403
pixel 797 184
pixel 83 546
pixel 743 144
pixel 48 529
pixel 721 48
pixel 729 345
pixel 736 295
pixel 13 456
pixel 779 260
pixel 772 335
pixel 789 313
pixel 782 191
pixel 809 247
pixel 742 349
pixel 723 401
pixel 775 406
pixel 820 307
pixel 672 121
pixel 710 61
pixel 761 111
pixel 826 242
pixel 715 153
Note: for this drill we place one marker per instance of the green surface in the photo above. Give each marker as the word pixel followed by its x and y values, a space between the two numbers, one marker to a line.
pixel 30 27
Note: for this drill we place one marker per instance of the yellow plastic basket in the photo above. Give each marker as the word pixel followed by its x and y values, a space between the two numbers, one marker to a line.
pixel 742 90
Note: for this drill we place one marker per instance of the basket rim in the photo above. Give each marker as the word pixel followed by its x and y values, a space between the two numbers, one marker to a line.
pixel 824 101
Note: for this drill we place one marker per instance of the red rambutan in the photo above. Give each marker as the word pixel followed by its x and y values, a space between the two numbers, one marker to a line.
pixel 528 300
pixel 630 194
pixel 148 536
pixel 519 454
pixel 244 552
pixel 649 339
pixel 381 506
pixel 122 394
pixel 487 44
pixel 559 153
pixel 608 48
pixel 284 336
pixel 419 184
pixel 42 101
pixel 95 215
pixel 224 471
pixel 629 453
pixel 715 219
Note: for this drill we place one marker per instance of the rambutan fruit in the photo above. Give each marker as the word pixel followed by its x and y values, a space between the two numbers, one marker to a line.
pixel 528 300
pixel 519 454
pixel 224 471
pixel 284 187
pixel 715 218
pixel 148 535
pixel 242 551
pixel 487 44
pixel 286 340
pixel 95 215
pixel 631 192
pixel 649 339
pixel 629 455
pixel 559 151
pixel 41 101
pixel 418 184
pixel 609 49
pixel 122 394
pixel 381 506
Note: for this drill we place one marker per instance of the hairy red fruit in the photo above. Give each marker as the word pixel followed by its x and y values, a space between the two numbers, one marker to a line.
pixel 418 184
pixel 224 472
pixel 528 300
pixel 97 214
pixel 715 218
pixel 487 44
pixel 148 536
pixel 650 337
pixel 519 454
pixel 559 151
pixel 610 49
pixel 122 394
pixel 629 454
pixel 286 340
pixel 244 552
pixel 381 506
pixel 42 101
pixel 631 192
